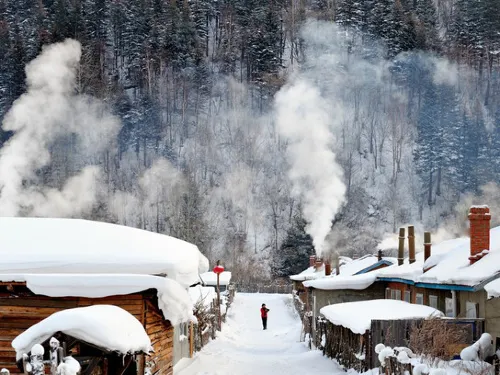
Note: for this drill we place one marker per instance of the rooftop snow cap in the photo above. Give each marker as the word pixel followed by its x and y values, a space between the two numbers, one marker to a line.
pixel 479 217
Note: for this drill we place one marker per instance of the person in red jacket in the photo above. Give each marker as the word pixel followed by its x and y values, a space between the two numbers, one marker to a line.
pixel 263 315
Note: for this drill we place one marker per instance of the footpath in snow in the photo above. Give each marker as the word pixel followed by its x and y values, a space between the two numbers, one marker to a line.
pixel 244 348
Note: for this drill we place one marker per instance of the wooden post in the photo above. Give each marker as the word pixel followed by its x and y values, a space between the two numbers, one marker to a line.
pixel 401 248
pixel 427 245
pixel 218 301
pixel 54 351
pixel 411 243
pixel 36 360
pixel 191 339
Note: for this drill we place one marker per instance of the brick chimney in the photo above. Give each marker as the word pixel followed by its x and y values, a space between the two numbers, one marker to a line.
pixel 312 260
pixel 328 268
pixel 319 263
pixel 427 245
pixel 479 217
pixel 411 244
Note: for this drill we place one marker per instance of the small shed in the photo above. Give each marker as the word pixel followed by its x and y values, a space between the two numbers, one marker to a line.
pixel 103 339
pixel 346 328
pixel 49 265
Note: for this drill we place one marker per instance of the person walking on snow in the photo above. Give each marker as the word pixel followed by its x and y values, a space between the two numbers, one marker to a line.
pixel 263 315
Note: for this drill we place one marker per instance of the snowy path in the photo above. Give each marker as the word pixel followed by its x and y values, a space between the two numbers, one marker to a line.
pixel 243 347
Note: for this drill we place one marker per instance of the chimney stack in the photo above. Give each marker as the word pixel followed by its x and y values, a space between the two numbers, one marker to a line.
pixel 328 268
pixel 312 260
pixel 427 245
pixel 411 243
pixel 319 263
pixel 401 248
pixel 479 217
pixel 379 255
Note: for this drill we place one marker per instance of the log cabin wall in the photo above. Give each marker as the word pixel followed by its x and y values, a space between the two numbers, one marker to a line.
pixel 20 309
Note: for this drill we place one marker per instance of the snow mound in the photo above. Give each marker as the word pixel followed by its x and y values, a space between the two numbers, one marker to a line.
pixel 356 282
pixel 357 316
pixel 88 247
pixel 108 327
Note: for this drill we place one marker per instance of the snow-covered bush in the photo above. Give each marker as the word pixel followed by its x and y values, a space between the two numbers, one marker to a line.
pixel 480 350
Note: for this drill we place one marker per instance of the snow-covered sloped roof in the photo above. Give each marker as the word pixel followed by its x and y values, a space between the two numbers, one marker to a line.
pixel 312 272
pixel 454 266
pixel 357 316
pixel 356 282
pixel 108 327
pixel 449 264
pixel 210 278
pixel 173 299
pixel 350 276
pixel 43 245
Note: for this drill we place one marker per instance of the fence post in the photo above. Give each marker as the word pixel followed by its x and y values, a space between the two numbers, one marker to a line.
pixel 54 360
pixel 36 360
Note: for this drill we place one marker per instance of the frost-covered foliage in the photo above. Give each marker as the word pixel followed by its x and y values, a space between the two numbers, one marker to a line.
pixel 411 90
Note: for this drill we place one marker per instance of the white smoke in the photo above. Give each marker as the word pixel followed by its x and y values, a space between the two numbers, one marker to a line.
pixel 302 117
pixel 49 110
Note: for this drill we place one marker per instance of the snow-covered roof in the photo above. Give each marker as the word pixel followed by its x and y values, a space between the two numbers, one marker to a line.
pixel 205 294
pixel 357 316
pixel 108 327
pixel 173 299
pixel 449 264
pixel 493 289
pixel 43 245
pixel 210 278
pixel 312 272
pixel 351 276
pixel 356 282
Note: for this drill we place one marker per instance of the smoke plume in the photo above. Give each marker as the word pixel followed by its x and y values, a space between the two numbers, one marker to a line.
pixel 316 177
pixel 48 111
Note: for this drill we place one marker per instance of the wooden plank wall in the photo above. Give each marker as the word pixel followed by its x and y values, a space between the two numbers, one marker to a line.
pixel 18 313
pixel 161 333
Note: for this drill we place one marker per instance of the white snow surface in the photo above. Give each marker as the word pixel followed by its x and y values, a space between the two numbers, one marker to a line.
pixel 244 348
pixel 106 326
pixel 347 278
pixel 357 316
pixel 68 366
pixel 347 267
pixel 45 245
pixel 173 299
pixel 210 278
pixel 356 282
pixel 449 264
pixel 205 294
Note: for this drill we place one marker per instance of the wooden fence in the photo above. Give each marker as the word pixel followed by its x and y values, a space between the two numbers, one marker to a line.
pixel 357 351
pixel 208 320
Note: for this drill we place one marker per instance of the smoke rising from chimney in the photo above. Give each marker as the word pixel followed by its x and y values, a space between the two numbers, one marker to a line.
pixel 302 117
pixel 48 111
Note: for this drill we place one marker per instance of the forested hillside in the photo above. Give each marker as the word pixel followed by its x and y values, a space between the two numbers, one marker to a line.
pixel 411 88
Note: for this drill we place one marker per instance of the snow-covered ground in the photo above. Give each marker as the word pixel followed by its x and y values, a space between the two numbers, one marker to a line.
pixel 243 347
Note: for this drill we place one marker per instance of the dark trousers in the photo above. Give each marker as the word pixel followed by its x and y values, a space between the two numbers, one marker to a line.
pixel 264 322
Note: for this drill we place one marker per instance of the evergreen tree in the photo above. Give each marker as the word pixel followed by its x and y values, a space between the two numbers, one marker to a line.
pixel 293 255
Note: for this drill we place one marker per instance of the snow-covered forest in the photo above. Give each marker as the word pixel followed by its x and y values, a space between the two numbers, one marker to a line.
pixel 183 120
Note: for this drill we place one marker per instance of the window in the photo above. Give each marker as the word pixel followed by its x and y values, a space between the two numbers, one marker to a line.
pixel 419 299
pixel 396 294
pixel 433 301
pixel 449 307
pixel 471 310
pixel 387 293
pixel 407 296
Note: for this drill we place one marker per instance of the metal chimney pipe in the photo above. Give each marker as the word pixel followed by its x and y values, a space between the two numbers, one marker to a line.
pixel 427 245
pixel 401 248
pixel 411 243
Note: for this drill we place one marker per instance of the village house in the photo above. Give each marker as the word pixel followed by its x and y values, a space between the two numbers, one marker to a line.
pixel 49 265
pixel 459 277
pixel 353 280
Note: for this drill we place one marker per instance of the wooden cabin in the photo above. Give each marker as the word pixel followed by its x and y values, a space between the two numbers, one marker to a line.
pixel 48 265
pixel 20 309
